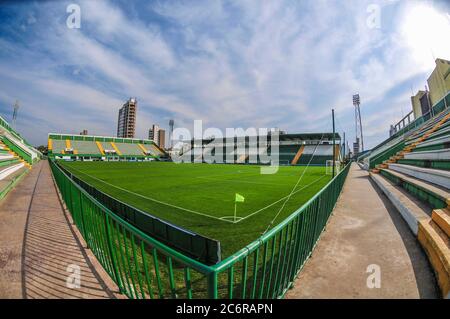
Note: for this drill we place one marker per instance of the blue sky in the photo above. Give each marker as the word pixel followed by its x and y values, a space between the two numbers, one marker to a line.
pixel 229 63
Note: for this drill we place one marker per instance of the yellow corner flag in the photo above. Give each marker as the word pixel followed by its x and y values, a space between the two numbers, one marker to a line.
pixel 239 198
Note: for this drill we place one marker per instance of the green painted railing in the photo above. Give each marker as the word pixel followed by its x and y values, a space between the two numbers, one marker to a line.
pixel 142 267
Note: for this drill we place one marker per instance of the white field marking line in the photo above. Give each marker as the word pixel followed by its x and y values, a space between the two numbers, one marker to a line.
pixel 293 189
pixel 232 217
pixel 152 199
pixel 264 208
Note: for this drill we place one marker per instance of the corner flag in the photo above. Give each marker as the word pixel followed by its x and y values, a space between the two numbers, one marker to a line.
pixel 239 198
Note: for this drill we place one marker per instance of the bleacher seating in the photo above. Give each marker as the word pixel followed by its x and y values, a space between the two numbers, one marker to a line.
pixel 129 149
pixel 96 147
pixel 154 150
pixel 416 179
pixel 107 147
pixel 288 149
pixel 82 147
pixel 287 152
pixel 10 173
pixel 59 146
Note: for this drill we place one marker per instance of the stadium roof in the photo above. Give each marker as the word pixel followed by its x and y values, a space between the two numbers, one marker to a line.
pixel 309 136
pixel 296 137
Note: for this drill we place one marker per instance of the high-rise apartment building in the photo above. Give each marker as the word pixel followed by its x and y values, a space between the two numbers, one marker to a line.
pixel 153 133
pixel 162 138
pixel 157 135
pixel 126 124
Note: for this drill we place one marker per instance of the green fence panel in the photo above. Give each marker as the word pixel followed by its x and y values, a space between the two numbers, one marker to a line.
pixel 143 267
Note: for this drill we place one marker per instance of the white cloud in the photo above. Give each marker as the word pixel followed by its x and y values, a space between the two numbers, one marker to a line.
pixel 239 63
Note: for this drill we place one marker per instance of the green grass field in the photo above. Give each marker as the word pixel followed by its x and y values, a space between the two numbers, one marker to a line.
pixel 200 197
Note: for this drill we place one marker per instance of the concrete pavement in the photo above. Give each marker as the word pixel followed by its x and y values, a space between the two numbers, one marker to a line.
pixel 39 252
pixel 365 230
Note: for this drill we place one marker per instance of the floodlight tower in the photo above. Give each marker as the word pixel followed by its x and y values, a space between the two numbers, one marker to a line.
pixel 15 112
pixel 358 122
pixel 171 124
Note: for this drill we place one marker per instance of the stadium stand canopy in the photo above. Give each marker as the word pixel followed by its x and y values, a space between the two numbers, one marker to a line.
pixel 291 149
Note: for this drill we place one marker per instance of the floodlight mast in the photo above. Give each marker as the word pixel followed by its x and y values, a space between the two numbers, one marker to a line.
pixel 171 124
pixel 15 112
pixel 358 122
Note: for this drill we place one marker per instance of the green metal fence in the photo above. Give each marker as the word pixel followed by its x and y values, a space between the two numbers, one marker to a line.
pixel 143 267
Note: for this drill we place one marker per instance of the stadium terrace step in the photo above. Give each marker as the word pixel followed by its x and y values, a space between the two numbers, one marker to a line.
pixel 437 246
pixel 8 170
pixel 7 183
pixel 68 144
pixel 411 209
pixel 116 148
pixel 6 156
pixel 297 156
pixel 436 196
pixel 435 176
pixel 431 130
pixel 442 218
pixel 438 143
pixel 430 123
pixel 443 131
pixel 443 154
pixel 144 150
pixel 100 147
pixel 8 161
pixel 436 164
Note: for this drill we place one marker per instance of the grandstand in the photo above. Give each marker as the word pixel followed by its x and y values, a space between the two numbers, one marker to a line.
pixel 88 148
pixel 16 157
pixel 293 149
pixel 412 168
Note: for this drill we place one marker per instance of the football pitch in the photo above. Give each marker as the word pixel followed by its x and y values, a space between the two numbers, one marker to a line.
pixel 201 197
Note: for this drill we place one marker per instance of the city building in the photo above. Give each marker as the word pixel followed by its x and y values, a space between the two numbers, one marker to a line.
pixel 438 87
pixel 126 124
pixel 421 103
pixel 157 135
pixel 439 81
pixel 84 132
pixel 153 133
pixel 162 138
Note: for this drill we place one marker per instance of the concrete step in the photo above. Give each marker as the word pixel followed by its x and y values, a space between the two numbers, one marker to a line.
pixel 435 176
pixel 437 246
pixel 442 140
pixel 443 154
pixel 430 128
pixel 412 209
pixel 442 218
pixel 436 196
pixel 442 131
pixel 436 164
pixel 10 169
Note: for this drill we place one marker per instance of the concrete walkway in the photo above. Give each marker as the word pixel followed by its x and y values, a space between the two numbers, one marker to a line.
pixel 38 247
pixel 365 229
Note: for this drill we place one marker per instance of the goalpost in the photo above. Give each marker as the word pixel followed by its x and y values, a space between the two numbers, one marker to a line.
pixel 329 167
